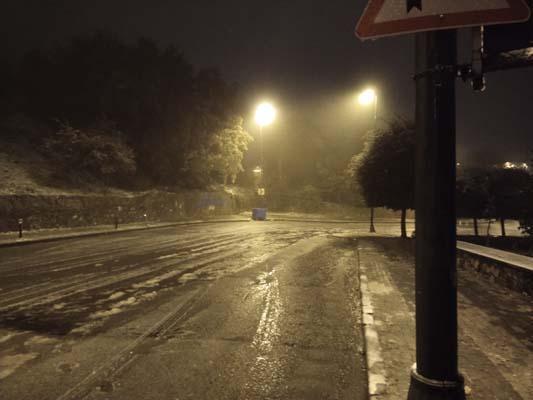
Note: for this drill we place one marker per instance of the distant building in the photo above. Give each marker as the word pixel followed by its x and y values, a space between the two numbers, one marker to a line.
pixel 514 165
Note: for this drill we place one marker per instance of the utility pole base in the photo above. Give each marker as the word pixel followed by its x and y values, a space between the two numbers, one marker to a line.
pixel 422 388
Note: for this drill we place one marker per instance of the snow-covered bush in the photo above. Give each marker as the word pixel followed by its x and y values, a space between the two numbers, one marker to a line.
pixel 90 154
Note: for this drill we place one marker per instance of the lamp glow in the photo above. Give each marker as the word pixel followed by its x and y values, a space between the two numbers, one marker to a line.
pixel 265 114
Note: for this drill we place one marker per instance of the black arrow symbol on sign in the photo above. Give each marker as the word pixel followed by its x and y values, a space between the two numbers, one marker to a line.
pixel 414 3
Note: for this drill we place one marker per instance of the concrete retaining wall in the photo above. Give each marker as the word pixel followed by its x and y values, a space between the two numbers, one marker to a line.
pixel 508 275
pixel 71 211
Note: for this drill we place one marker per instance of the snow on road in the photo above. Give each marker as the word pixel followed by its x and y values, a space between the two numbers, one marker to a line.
pixel 59 300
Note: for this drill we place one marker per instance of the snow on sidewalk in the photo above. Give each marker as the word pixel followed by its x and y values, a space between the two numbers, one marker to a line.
pixel 390 321
pixel 495 325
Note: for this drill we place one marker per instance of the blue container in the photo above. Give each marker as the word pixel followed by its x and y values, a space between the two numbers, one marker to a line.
pixel 259 214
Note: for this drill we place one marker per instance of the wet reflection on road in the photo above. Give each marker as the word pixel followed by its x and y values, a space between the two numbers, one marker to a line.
pixel 267 371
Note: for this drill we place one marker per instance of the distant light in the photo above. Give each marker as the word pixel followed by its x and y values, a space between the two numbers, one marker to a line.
pixel 525 166
pixel 458 164
pixel 257 170
pixel 265 114
pixel 509 165
pixel 367 97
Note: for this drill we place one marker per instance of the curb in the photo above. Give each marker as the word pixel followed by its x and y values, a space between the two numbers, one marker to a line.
pixel 114 231
pixel 327 221
pixel 332 221
pixel 376 376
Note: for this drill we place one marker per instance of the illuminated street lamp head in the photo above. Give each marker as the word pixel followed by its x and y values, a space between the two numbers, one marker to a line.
pixel 265 114
pixel 367 97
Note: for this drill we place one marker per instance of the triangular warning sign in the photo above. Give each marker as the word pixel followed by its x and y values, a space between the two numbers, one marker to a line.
pixel 396 17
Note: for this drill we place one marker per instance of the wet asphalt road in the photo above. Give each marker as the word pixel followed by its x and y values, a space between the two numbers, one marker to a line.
pixel 255 310
pixel 247 310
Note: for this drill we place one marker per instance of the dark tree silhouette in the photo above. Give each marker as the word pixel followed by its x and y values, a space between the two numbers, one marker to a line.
pixel 507 190
pixel 472 198
pixel 526 218
pixel 172 116
pixel 364 167
pixel 385 169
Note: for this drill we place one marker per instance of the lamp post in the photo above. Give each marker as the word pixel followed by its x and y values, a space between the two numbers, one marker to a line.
pixel 366 98
pixel 265 113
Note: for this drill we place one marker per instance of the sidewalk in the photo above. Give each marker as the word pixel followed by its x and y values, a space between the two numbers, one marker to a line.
pixel 495 327
pixel 313 217
pixel 52 234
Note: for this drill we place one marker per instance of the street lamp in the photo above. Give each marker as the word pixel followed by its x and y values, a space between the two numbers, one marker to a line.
pixel 265 113
pixel 366 98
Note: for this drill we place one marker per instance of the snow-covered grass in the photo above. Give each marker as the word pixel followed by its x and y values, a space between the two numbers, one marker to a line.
pixel 24 171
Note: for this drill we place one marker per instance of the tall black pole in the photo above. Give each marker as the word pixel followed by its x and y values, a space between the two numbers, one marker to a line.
pixel 435 374
pixel 261 160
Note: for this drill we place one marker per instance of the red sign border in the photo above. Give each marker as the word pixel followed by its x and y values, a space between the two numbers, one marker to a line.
pixel 367 29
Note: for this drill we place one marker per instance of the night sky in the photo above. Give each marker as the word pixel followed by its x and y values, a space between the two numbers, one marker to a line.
pixel 302 55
